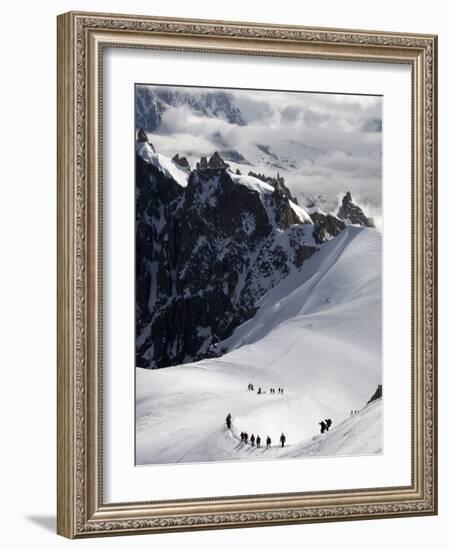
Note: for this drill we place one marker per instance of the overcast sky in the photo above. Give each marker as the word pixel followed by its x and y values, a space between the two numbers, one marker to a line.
pixel 335 140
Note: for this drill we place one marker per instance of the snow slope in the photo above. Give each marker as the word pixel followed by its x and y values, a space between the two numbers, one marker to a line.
pixel 264 188
pixel 163 163
pixel 359 434
pixel 317 334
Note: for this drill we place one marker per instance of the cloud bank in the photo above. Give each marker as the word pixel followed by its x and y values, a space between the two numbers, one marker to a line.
pixel 323 144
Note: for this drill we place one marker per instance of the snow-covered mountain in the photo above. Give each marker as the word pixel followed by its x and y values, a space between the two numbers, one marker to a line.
pixel 153 102
pixel 209 244
pixel 317 334
pixel 321 145
pixel 286 155
pixel 254 265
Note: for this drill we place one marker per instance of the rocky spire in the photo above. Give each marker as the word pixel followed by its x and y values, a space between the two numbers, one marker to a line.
pixel 353 213
pixel 215 163
pixel 376 395
pixel 182 162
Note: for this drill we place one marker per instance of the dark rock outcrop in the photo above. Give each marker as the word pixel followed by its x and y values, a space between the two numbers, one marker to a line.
pixel 327 226
pixel 353 213
pixel 182 162
pixel 215 162
pixel 205 254
pixel 376 395
pixel 208 251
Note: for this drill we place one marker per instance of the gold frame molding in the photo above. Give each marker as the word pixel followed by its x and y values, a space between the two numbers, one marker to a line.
pixel 81 38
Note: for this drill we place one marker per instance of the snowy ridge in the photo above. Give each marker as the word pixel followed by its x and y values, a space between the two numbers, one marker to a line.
pixel 171 169
pixel 252 183
pixel 301 213
pixel 360 434
pixel 264 188
pixel 162 163
pixel 315 210
pixel 322 284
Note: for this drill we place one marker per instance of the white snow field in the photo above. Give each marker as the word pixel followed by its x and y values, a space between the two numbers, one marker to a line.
pixel 317 334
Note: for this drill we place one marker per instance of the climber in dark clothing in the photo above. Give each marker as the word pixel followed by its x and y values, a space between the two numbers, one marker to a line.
pixel 228 421
pixel 323 426
pixel 268 442
pixel 252 439
pixel 246 437
pixel 242 437
pixel 259 391
pixel 282 439
pixel 258 441
pixel 328 424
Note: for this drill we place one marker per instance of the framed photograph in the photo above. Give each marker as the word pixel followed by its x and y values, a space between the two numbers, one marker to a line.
pixel 247 284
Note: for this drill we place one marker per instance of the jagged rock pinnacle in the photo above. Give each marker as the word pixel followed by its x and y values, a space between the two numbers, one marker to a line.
pixel 376 395
pixel 353 213
pixel 215 163
pixel 182 162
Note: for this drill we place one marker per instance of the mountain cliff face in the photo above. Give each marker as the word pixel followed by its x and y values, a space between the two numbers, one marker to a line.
pixel 209 245
pixel 152 103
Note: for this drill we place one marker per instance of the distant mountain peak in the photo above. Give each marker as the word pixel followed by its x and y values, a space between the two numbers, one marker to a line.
pixel 152 102
pixel 347 198
pixel 353 213
pixel 182 162
pixel 376 395
pixel 215 162
pixel 234 156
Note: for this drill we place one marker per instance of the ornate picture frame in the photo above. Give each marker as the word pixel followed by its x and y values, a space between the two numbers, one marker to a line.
pixel 82 39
